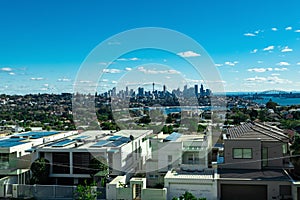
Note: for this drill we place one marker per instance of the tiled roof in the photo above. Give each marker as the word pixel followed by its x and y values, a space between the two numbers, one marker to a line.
pixel 254 130
pixel 264 175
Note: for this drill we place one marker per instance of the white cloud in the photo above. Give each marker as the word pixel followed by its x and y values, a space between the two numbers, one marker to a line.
pixel 282 63
pixel 114 82
pixel 254 51
pixel 106 63
pixel 36 79
pixel 258 31
pixel 218 65
pixel 11 73
pixel 63 80
pixel 281 69
pixel 259 70
pixel 85 81
pixel 297 31
pixel 275 74
pixel 260 61
pixel 298 63
pixel 111 71
pixel 269 79
pixel 6 69
pixel 128 59
pixel 249 35
pixel 152 71
pixel 229 63
pixel 288 28
pixel 269 48
pixel 286 49
pixel 188 54
pixel 274 29
pixel 128 69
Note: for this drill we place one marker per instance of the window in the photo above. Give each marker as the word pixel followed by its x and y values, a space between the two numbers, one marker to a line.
pixel 81 161
pixel 284 148
pixel 61 163
pixel 169 158
pixel 265 156
pixel 239 153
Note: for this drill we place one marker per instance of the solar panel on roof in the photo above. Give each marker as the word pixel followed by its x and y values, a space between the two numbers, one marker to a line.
pixel 63 143
pixel 101 143
pixel 174 136
pixel 36 135
pixel 81 137
pixel 10 142
pixel 125 139
pixel 114 138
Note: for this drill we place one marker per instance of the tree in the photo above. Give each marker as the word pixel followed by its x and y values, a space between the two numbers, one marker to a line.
pixel 188 196
pixel 27 129
pixel 271 104
pixel 86 192
pixel 40 169
pixel 98 164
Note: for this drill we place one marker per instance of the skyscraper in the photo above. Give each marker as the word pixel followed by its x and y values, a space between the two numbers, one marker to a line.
pixel 196 90
pixel 202 90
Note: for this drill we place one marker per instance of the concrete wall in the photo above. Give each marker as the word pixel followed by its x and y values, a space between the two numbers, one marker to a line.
pixel 230 162
pixel 167 149
pixel 199 188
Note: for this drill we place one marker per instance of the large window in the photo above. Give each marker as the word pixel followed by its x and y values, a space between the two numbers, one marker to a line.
pixel 61 163
pixel 81 163
pixel 242 153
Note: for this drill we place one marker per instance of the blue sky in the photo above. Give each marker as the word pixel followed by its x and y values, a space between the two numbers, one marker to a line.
pixel 254 44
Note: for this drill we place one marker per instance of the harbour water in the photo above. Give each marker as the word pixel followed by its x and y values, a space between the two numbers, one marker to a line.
pixel 280 100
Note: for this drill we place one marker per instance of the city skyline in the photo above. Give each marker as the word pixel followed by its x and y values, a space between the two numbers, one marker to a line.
pixel 254 45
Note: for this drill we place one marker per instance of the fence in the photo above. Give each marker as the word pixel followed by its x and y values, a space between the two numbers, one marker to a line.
pixel 40 192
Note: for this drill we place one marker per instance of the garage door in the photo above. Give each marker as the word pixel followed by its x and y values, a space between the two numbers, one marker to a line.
pixel 245 192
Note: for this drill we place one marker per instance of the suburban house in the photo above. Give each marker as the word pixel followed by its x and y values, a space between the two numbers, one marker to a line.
pixel 176 151
pixel 256 159
pixel 178 163
pixel 125 151
pixel 16 156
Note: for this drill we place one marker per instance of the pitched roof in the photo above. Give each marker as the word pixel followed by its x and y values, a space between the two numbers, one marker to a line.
pixel 264 175
pixel 254 130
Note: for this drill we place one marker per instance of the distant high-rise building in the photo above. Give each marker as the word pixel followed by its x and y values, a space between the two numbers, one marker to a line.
pixel 140 91
pixel 164 88
pixel 202 91
pixel 153 87
pixel 126 92
pixel 208 92
pixel 196 90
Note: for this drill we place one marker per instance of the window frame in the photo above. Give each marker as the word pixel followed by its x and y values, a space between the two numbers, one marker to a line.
pixel 242 153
